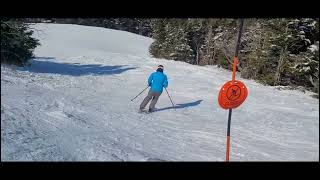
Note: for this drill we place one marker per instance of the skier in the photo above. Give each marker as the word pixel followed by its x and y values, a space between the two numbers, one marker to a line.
pixel 157 81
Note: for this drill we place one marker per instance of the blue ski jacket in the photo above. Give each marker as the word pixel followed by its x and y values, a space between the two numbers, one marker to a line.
pixel 157 81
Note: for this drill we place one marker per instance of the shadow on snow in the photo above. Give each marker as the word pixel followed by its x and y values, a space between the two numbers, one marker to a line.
pixel 73 69
pixel 180 106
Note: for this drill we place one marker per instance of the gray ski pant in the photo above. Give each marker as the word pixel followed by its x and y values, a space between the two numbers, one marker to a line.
pixel 151 95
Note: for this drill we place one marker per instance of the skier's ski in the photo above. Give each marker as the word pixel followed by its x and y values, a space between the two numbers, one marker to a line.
pixel 143 111
pixel 146 111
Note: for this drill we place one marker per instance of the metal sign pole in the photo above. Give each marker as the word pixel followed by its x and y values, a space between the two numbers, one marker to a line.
pixel 235 62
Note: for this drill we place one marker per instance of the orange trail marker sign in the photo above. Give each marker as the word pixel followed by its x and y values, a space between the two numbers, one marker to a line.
pixel 232 94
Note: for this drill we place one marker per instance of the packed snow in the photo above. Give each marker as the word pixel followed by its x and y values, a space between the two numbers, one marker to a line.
pixel 73 104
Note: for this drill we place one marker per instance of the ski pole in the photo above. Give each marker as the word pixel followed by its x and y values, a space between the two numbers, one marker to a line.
pixel 170 98
pixel 140 93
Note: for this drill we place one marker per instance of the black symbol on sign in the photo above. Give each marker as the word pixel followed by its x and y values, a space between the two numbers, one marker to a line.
pixel 233 92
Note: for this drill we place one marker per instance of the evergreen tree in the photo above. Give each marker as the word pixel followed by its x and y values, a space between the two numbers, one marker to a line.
pixel 17 43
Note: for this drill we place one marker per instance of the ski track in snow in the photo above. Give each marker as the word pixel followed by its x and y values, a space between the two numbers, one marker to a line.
pixel 73 104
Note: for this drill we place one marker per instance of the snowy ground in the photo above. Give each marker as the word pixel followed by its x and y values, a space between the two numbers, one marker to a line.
pixel 73 104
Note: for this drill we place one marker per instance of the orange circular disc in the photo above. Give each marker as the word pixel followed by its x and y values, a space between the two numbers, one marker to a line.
pixel 232 94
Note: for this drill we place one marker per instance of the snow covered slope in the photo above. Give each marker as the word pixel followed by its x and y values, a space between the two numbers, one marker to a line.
pixel 73 104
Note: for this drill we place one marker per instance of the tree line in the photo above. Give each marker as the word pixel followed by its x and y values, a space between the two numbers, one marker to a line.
pixel 276 52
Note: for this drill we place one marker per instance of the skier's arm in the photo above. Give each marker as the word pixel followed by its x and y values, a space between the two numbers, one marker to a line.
pixel 150 80
pixel 165 83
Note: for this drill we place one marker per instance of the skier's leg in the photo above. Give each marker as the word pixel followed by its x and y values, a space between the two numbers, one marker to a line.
pixel 154 101
pixel 146 100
